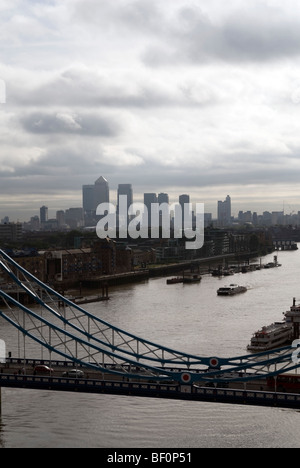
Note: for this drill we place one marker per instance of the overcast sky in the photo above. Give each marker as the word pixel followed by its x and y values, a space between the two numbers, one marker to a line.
pixel 177 96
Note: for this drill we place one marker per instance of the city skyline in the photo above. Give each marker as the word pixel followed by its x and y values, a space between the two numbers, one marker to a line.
pixel 179 96
pixel 224 213
pixel 99 192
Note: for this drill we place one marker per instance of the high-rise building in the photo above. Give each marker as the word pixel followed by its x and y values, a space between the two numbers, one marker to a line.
pixel 92 196
pixel 74 217
pixel 101 192
pixel 88 198
pixel 183 200
pixel 44 214
pixel 61 219
pixel 122 217
pixel 149 200
pixel 224 212
pixel 163 198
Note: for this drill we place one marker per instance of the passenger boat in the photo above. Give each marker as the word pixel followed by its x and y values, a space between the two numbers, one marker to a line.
pixel 279 333
pixel 231 290
pixel 274 336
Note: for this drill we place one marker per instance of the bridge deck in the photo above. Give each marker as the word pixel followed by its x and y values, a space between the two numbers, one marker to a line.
pixel 107 384
pixel 151 390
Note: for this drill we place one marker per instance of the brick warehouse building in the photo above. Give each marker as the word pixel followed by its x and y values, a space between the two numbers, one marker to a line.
pixel 75 265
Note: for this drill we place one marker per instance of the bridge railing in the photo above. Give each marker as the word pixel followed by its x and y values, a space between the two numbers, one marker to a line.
pixel 172 391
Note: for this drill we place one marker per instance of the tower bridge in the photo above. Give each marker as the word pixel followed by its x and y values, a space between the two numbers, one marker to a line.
pixel 115 361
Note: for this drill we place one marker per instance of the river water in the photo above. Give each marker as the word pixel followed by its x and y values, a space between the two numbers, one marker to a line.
pixel 189 318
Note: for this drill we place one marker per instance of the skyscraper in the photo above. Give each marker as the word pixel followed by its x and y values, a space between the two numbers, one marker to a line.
pixel 88 198
pixel 183 200
pixel 92 196
pixel 149 200
pixel 43 214
pixel 124 190
pixel 101 192
pixel 224 212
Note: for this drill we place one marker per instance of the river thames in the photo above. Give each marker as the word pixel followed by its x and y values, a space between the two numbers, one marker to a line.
pixel 189 318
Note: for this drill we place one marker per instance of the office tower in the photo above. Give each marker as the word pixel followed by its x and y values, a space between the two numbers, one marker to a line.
pixel 149 200
pixel 44 214
pixel 183 200
pixel 92 197
pixel 101 192
pixel 122 210
pixel 61 219
pixel 163 198
pixel 88 198
pixel 224 212
pixel 74 217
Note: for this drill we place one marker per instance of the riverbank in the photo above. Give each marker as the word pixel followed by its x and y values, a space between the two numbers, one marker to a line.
pixel 201 265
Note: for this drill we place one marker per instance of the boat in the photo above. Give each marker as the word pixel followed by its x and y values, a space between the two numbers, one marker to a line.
pixel 279 333
pixel 192 278
pixel 274 264
pixel 271 337
pixel 231 290
pixel 175 280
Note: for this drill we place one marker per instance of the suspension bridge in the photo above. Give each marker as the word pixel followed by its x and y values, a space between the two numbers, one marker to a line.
pixel 84 353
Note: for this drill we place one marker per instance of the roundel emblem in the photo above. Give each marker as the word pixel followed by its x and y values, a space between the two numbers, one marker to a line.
pixel 214 362
pixel 186 378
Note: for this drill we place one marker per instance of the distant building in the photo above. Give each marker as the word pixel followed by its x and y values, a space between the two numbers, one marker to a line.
pixel 224 212
pixel 207 219
pixel 11 232
pixel 124 190
pixel 101 192
pixel 183 200
pixel 92 197
pixel 149 200
pixel 61 219
pixel 74 218
pixel 43 214
pixel 88 198
pixel 163 198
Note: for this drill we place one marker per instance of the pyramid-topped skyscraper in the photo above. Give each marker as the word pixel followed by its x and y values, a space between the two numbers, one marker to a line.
pixel 94 195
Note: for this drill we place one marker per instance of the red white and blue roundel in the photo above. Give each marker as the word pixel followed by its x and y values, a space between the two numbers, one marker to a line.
pixel 186 378
pixel 214 362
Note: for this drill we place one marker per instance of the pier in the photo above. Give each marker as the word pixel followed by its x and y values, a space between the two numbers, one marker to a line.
pixel 283 244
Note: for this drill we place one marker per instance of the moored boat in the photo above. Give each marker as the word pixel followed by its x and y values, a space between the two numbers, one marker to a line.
pixel 271 337
pixel 192 278
pixel 175 280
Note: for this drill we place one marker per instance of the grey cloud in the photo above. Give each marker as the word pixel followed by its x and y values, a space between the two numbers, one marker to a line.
pixel 81 87
pixel 70 123
pixel 252 35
